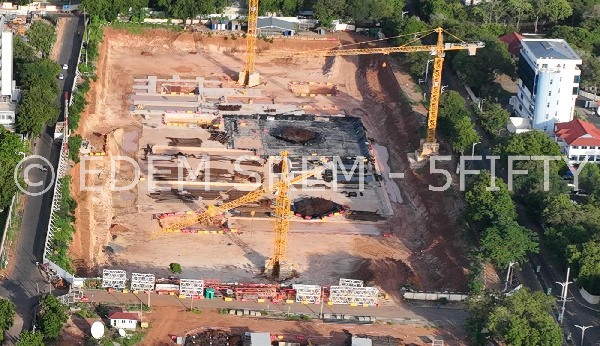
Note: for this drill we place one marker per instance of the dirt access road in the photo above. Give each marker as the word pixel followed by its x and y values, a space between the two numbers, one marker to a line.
pixel 424 251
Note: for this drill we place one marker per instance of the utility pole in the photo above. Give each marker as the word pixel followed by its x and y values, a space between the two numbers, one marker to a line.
pixel 322 298
pixel 148 293
pixel 583 328
pixel 563 296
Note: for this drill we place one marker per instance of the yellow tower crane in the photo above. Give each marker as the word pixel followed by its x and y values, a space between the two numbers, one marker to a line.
pixel 282 212
pixel 429 146
pixel 249 77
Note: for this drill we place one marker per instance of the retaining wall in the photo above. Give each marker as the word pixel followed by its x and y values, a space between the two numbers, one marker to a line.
pixel 453 297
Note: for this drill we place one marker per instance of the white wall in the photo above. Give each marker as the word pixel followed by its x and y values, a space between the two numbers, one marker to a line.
pixel 555 101
pixel 125 324
pixel 576 153
pixel 6 51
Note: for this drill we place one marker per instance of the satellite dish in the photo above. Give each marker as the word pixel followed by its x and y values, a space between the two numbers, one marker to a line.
pixel 122 332
pixel 97 329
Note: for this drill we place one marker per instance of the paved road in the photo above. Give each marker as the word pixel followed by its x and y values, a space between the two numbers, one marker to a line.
pixel 22 286
pixel 578 312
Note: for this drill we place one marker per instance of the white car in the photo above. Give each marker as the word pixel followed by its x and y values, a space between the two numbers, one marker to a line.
pixel 65 67
pixel 61 76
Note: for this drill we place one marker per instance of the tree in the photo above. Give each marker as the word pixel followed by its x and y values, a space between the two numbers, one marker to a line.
pixel 7 315
pixel 519 9
pixel 480 71
pixel 326 11
pixel 41 35
pixel 11 147
pixel 550 9
pixel 34 111
pixel 524 319
pixel 372 10
pixel 534 142
pixel 175 268
pixel 52 316
pixel 485 208
pixel 464 134
pixel 27 338
pixel 508 242
pixel 491 10
pixel 586 258
pixel 590 71
pixel 21 49
pixel 494 118
pixel 521 319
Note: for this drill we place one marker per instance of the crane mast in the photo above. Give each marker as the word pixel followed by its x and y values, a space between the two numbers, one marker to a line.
pixel 249 77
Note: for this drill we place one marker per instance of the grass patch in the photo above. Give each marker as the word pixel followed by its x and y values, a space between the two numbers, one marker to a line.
pixel 140 28
pixel 196 311
pixel 12 232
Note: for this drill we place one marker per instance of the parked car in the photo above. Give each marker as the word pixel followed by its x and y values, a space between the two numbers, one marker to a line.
pixel 65 67
pixel 61 76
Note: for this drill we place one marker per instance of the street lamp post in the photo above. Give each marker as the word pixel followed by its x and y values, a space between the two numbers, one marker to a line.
pixel 403 13
pixel 583 328
pixel 563 295
pixel 473 149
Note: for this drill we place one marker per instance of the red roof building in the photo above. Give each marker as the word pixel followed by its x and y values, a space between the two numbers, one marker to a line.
pixel 513 40
pixel 123 316
pixel 578 139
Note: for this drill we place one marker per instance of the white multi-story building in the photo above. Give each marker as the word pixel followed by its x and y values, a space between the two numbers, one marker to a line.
pixel 548 82
pixel 578 139
pixel 8 93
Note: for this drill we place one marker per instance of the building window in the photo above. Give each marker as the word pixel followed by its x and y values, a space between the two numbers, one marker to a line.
pixel 576 79
pixel 520 107
pixel 573 158
pixel 575 147
pixel 592 158
pixel 559 90
pixel 548 104
pixel 549 93
pixel 552 80
pixel 597 158
pixel 544 65
pixel 575 90
pixel 584 147
pixel 581 158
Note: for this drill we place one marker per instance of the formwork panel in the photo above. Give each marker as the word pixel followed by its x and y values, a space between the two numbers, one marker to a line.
pixel 142 282
pixel 112 278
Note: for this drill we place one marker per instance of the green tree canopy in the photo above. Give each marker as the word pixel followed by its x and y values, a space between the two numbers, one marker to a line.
pixel 508 242
pixel 27 338
pixel 521 319
pixel 485 208
pixel 52 316
pixel 494 118
pixel 480 71
pixel 7 315
pixel 41 35
pixel 586 258
pixel 326 11
pixel 11 146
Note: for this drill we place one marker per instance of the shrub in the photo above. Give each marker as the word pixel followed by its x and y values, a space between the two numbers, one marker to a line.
pixel 175 268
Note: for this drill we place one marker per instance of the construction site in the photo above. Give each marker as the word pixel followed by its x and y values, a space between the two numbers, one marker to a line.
pixel 212 155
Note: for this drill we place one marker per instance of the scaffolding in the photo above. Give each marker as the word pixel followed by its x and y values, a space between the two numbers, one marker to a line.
pixel 142 282
pixel 112 278
pixel 190 288
pixel 351 283
pixel 73 296
pixel 308 293
pixel 353 295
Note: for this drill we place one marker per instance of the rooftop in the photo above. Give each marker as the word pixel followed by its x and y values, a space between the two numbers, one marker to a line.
pixel 578 132
pixel 344 137
pixel 513 41
pixel 275 22
pixel 123 316
pixel 550 49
